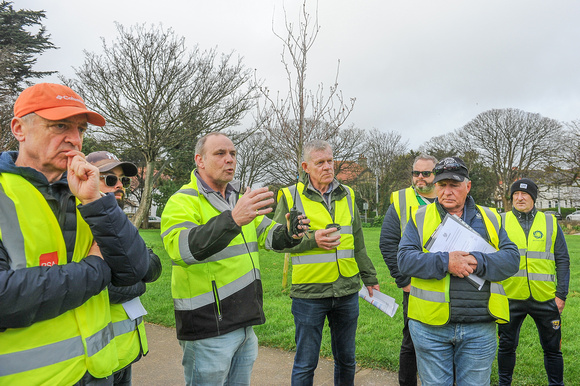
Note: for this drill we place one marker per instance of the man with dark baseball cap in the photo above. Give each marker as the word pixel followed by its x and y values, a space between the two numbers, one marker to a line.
pixel 540 287
pixel 442 301
pixel 61 243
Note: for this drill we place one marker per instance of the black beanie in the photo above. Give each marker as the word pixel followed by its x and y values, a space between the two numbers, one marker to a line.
pixel 524 185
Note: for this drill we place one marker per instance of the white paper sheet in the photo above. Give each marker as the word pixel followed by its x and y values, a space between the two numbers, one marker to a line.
pixel 383 302
pixel 134 308
pixel 453 234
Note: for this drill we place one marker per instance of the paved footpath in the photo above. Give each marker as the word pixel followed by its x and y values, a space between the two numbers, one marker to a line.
pixel 162 366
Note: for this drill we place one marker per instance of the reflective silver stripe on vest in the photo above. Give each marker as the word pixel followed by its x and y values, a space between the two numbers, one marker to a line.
pixel 541 277
pixel 491 216
pixel 186 224
pixel 347 230
pixel 549 232
pixel 420 221
pixel 540 255
pixel 430 296
pixel 226 253
pixel 403 209
pixel 292 189
pixel 100 339
pixel 522 251
pixel 225 291
pixel 38 357
pixel 189 192
pixel 323 257
pixel 262 226
pixel 300 206
pixel 184 250
pixel 497 288
pixel 12 237
pixel 127 325
pixel 521 273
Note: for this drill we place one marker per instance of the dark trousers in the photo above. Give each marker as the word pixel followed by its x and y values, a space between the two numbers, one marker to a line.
pixel 547 319
pixel 407 360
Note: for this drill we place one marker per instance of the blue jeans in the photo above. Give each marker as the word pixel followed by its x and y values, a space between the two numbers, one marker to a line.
pixel 470 347
pixel 309 316
pixel 221 360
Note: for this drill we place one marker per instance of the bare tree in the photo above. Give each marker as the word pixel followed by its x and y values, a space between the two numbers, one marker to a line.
pixel 253 157
pixel 157 95
pixel 386 157
pixel 303 114
pixel 512 143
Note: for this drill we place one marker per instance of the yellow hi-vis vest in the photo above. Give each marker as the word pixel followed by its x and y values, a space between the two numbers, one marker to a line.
pixel 537 274
pixel 319 265
pixel 130 336
pixel 195 284
pixel 429 300
pixel 60 350
pixel 403 200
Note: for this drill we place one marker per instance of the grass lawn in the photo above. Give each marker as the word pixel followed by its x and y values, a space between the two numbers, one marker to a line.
pixel 378 336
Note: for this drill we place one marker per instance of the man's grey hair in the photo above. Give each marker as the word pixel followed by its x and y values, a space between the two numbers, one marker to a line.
pixel 200 145
pixel 425 157
pixel 312 146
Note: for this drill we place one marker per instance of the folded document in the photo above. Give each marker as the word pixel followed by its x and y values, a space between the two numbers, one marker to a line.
pixel 383 302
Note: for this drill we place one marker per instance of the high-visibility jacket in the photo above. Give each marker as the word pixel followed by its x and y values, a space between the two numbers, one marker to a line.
pixel 223 292
pixel 60 350
pixel 536 277
pixel 429 300
pixel 319 265
pixel 404 200
pixel 130 336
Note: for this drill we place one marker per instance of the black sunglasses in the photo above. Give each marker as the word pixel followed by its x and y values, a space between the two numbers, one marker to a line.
pixel 426 173
pixel 449 167
pixel 111 180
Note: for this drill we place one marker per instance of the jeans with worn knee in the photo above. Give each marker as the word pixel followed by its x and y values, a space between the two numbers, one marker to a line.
pixel 221 360
pixel 470 347
pixel 309 316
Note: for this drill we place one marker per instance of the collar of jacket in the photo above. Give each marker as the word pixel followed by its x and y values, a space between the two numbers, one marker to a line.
pixel 338 190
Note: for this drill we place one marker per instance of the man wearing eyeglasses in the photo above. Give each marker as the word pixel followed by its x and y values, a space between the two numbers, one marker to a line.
pixel 126 309
pixel 451 320
pixel 61 243
pixel 422 192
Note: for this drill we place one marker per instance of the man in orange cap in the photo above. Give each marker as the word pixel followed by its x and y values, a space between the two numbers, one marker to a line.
pixel 61 243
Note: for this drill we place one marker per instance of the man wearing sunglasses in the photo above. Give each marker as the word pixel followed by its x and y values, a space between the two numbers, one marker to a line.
pixel 126 309
pixel 422 192
pixel 61 243
pixel 451 320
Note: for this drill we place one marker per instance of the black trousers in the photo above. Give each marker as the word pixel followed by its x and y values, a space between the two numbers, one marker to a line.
pixel 547 319
pixel 407 360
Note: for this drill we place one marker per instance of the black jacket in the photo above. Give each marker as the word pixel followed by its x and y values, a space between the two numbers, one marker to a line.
pixel 34 294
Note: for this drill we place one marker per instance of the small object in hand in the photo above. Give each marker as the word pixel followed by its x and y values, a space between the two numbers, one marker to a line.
pixel 333 225
pixel 295 222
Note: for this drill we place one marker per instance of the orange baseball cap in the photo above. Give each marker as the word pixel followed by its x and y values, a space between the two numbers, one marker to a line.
pixel 55 102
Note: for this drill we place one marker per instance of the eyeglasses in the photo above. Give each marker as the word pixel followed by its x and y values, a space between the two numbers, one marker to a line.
pixel 111 180
pixel 426 173
pixel 449 167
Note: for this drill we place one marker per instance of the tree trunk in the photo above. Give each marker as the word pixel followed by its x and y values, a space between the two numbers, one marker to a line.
pixel 145 203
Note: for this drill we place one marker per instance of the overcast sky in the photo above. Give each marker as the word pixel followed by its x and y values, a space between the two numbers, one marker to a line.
pixel 419 67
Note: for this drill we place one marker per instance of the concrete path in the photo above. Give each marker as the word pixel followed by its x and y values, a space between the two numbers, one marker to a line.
pixel 162 366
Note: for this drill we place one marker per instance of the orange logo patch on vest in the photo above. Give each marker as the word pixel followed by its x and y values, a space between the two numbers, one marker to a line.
pixel 48 259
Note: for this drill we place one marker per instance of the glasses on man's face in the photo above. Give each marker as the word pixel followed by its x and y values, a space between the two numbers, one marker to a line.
pixel 111 180
pixel 425 173
pixel 449 167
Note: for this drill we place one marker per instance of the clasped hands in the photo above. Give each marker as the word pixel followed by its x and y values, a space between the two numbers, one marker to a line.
pixel 461 264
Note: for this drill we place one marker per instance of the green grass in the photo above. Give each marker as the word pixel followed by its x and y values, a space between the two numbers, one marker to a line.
pixel 378 336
